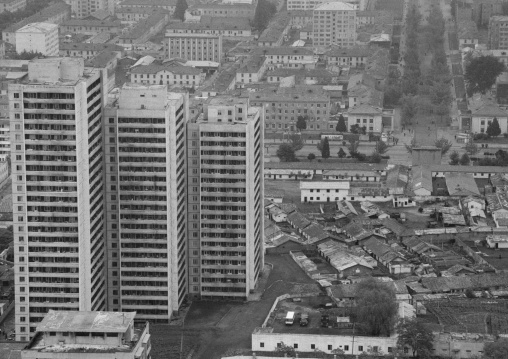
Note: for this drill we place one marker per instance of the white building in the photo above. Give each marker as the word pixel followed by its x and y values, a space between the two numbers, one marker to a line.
pixel 366 115
pixel 225 199
pixel 38 37
pixel 334 23
pixel 323 191
pixel 146 199
pixel 293 5
pixel 267 339
pixel 57 185
pixel 185 76
pixel 193 47
pixel 89 335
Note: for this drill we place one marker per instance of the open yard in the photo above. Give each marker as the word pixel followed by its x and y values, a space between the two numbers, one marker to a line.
pixel 213 328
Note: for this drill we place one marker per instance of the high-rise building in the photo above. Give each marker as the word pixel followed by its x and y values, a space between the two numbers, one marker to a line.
pixel 83 8
pixel 498 33
pixel 225 176
pixel 38 37
pixel 146 199
pixel 57 185
pixel 334 23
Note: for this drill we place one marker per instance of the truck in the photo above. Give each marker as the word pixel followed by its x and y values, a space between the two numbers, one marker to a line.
pixel 304 320
pixel 290 318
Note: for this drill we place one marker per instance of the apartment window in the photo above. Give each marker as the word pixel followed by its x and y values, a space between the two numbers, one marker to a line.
pixel 21 238
pixel 22 289
pixel 21 299
pixel 18 158
pixel 360 348
pixel 261 345
pixel 111 120
pixel 112 159
pixel 18 147
pixel 16 95
pixel 115 264
pixel 330 347
pixel 113 197
pixel 21 249
pixel 17 116
pixel 21 259
pixel 313 346
pixel 115 273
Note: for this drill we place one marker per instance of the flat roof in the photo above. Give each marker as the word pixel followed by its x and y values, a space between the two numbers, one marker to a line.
pixel 72 321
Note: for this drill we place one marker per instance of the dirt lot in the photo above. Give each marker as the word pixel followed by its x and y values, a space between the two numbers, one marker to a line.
pixel 213 328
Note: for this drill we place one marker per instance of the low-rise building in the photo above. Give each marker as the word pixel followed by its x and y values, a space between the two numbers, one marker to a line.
pixel 283 107
pixel 133 14
pixel 276 31
pixel 229 28
pixel 287 56
pixel 351 57
pixel 300 18
pixel 144 30
pixel 87 335
pixel 12 5
pixel 88 50
pixel 365 115
pixel 483 111
pixel 38 37
pixel 323 191
pixel 467 32
pixel 154 74
pixel 55 13
pixel 497 241
pixel 199 47
pixel 168 5
pixel 251 70
pixel 90 27
pixel 223 9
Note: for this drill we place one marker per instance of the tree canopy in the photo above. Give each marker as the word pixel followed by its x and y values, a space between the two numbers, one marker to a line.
pixel 444 144
pixel 296 141
pixel 413 334
pixel 481 74
pixel 301 123
pixel 493 128
pixel 324 147
pixel 454 158
pixel 464 160
pixel 341 124
pixel 311 157
pixel 376 307
pixel 181 6
pixel 264 13
pixel 286 153
pixel 496 350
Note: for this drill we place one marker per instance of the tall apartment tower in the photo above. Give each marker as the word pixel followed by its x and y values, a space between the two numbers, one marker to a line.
pixel 498 33
pixel 83 8
pixel 57 185
pixel 225 175
pixel 146 200
pixel 334 23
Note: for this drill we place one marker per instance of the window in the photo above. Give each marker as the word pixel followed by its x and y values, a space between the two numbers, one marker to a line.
pixel 313 346
pixel 330 347
pixel 16 95
pixel 346 348
pixel 390 349
pixel 261 345
pixel 360 348
pixel 295 345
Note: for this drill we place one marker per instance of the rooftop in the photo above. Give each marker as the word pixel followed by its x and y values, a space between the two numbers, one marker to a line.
pixel 336 6
pixel 41 16
pixel 72 321
pixel 40 27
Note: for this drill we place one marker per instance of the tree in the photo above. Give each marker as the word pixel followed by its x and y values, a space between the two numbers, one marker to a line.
pixel 341 153
pixel 28 55
pixel 301 123
pixel 410 145
pixel 409 109
pixel 356 129
pixel 444 145
pixel 341 124
pixel 454 158
pixel 311 157
pixel 381 147
pixel 493 128
pixel 496 350
pixel 465 160
pixel 286 349
pixel 376 307
pixel 412 333
pixel 375 157
pixel 325 148
pixel 481 74
pixel 264 13
pixel 296 141
pixel 286 153
pixel 353 147
pixel 471 148
pixel 181 6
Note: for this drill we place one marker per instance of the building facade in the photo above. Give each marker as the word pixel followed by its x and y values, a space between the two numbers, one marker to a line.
pixel 38 37
pixel 57 179
pixel 498 33
pixel 225 200
pixel 185 76
pixel 89 335
pixel 146 199
pixel 194 47
pixel 334 23
pixel 12 5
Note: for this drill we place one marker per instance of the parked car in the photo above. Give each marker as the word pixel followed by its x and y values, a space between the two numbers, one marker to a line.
pixel 304 320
